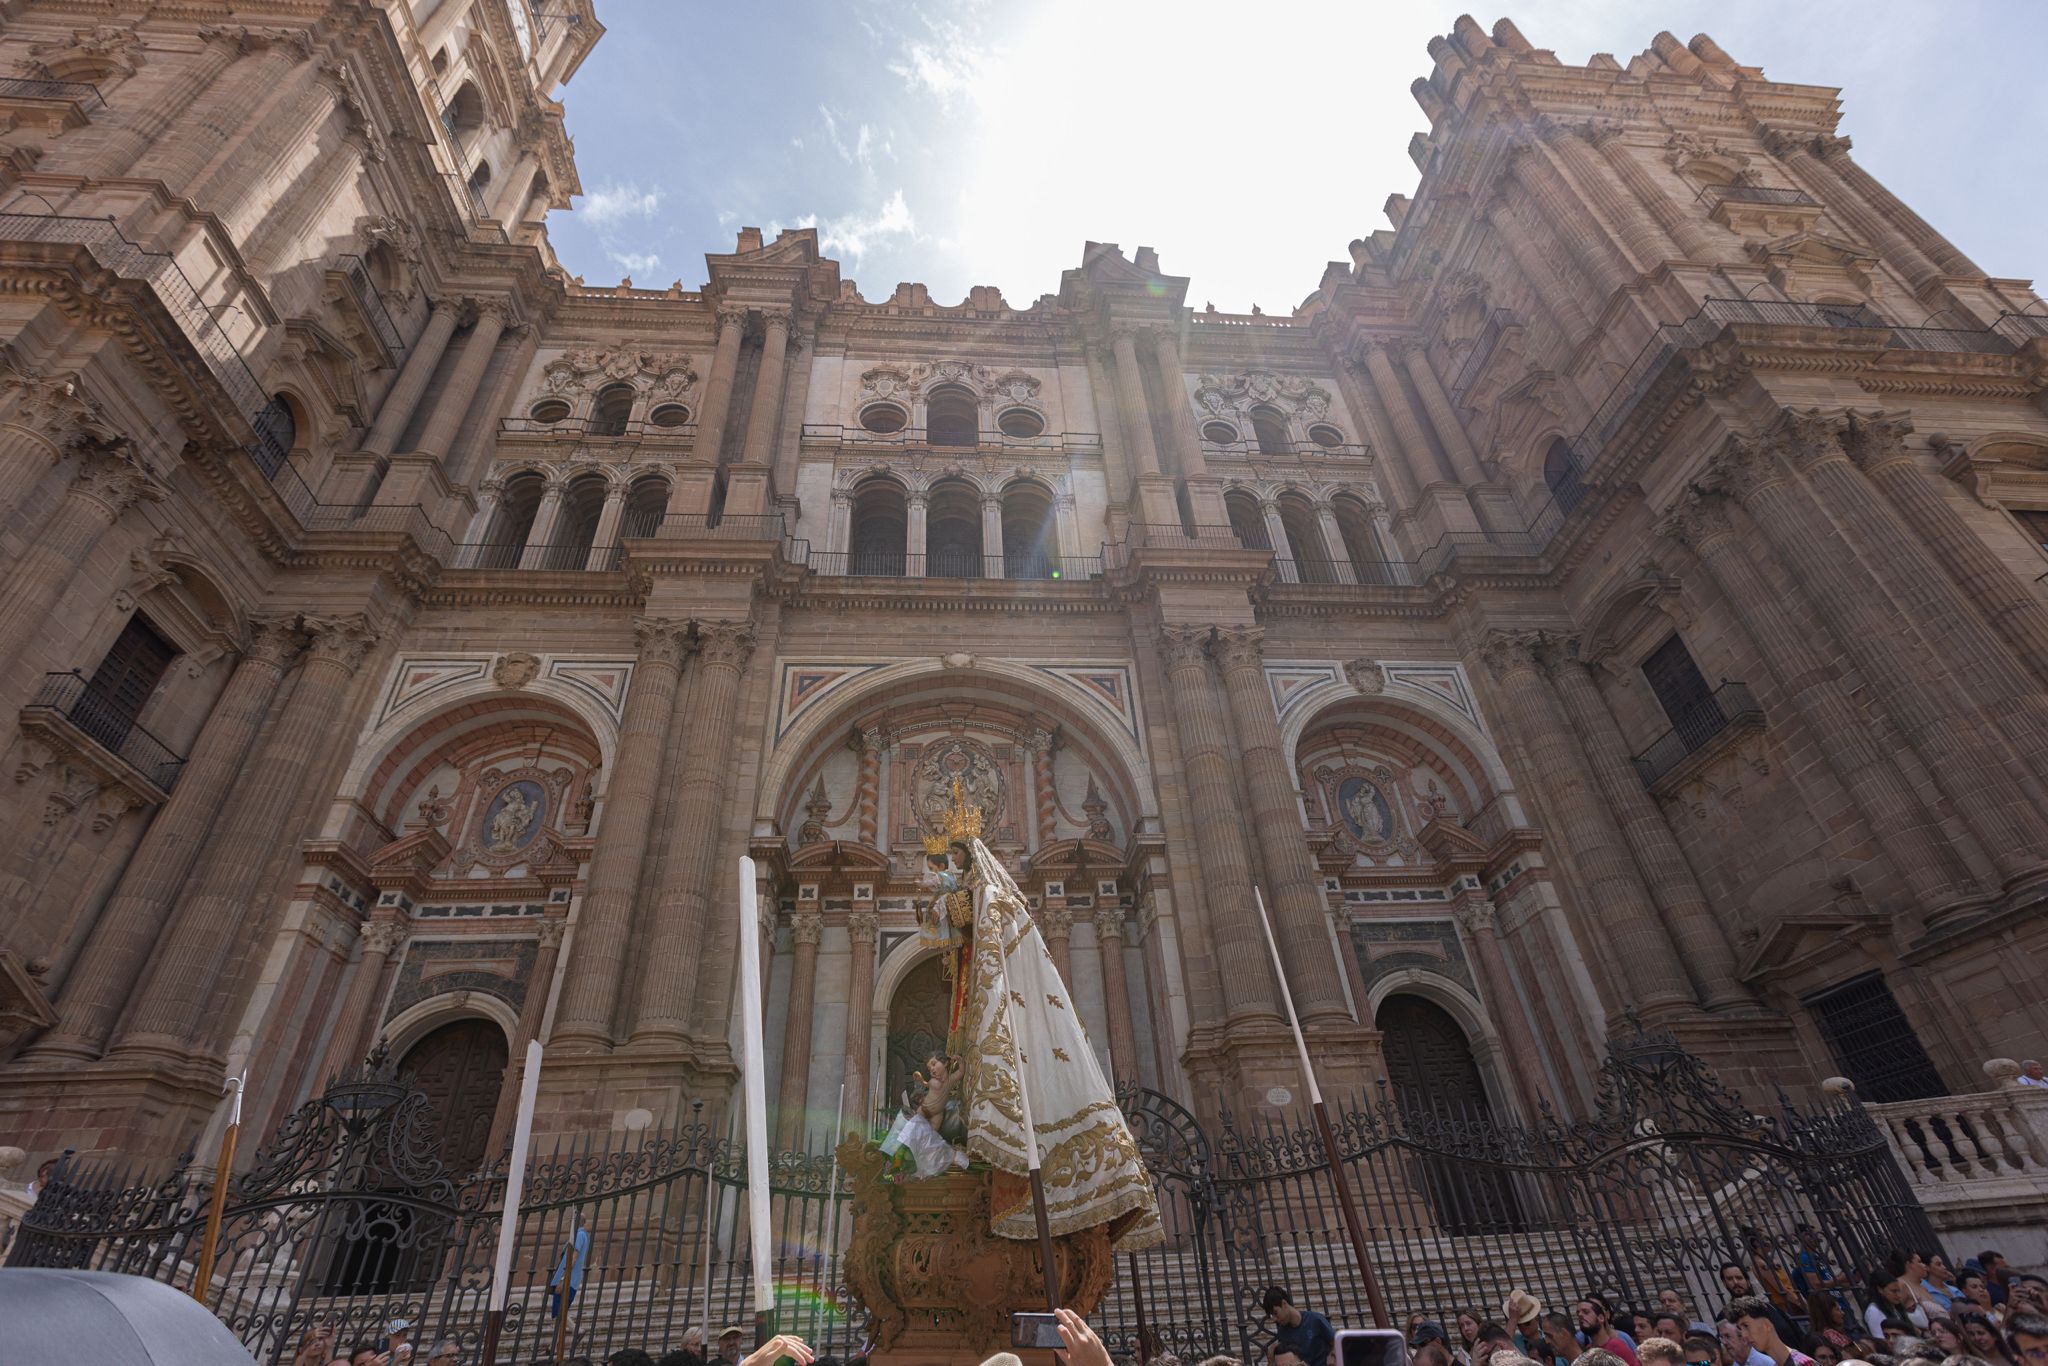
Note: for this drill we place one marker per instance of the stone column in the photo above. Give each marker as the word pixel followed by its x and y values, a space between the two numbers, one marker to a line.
pixel 189 142
pixel 806 929
pixel 1582 828
pixel 993 564
pixel 606 540
pixel 1686 230
pixel 1559 295
pixel 861 927
pixel 279 230
pixel 725 360
pixel 1242 962
pixel 1690 919
pixel 176 1015
pixel 1985 580
pixel 1180 421
pixel 533 1010
pixel 1834 155
pixel 1475 913
pixel 1131 404
pixel 668 980
pixel 1992 677
pixel 1908 835
pixel 107 482
pixel 1333 537
pixel 1566 218
pixel 1116 465
pixel 1116 995
pixel 583 1021
pixel 1800 151
pixel 397 409
pixel 1289 563
pixel 868 791
pixel 232 182
pixel 1044 798
pixel 1450 432
pixel 1618 211
pixel 1056 925
pixel 1294 898
pixel 917 511
pixel 1388 459
pixel 1415 447
pixel 1962 764
pixel 146 121
pixel 766 409
pixel 539 546
pixel 518 188
pixel 452 405
pixel 104 979
pixel 487 495
pixel 355 1027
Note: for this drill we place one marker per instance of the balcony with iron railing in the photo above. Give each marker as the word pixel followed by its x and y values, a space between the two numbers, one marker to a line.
pixel 817 435
pixel 83 94
pixel 370 303
pixel 1705 729
pixel 1713 196
pixel 940 565
pixel 69 705
pixel 1247 451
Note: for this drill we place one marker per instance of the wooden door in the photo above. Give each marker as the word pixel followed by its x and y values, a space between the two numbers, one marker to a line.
pixel 459 1068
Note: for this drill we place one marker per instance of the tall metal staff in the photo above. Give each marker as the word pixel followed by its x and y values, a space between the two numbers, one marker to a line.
pixel 216 1203
pixel 515 1191
pixel 755 1081
pixel 1380 1318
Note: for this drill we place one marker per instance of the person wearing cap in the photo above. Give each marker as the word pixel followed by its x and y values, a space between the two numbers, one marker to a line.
pixel 1301 1337
pixel 729 1341
pixel 1429 1345
pixel 397 1348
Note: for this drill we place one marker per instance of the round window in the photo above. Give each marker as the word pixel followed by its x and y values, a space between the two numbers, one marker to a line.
pixel 1324 435
pixel 882 418
pixel 1219 433
pixel 549 411
pixel 1020 422
pixel 669 415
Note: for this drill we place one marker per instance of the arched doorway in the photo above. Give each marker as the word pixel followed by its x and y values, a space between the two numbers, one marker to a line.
pixel 1436 1082
pixel 459 1068
pixel 917 1026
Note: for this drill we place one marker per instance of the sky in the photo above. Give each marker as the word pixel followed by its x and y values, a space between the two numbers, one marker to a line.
pixel 972 143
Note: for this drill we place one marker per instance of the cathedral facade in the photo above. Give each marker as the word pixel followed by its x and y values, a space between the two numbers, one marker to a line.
pixel 1613 594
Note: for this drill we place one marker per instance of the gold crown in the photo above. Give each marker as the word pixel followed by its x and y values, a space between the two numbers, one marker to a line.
pixel 960 824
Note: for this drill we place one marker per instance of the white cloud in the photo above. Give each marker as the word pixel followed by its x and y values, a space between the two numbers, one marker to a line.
pixel 614 203
pixel 854 235
pixel 948 67
pixel 637 262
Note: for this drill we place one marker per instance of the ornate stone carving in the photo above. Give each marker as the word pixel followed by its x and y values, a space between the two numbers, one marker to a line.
pixel 109 475
pixel 862 926
pixel 382 936
pixel 1743 468
pixel 1096 809
pixel 817 811
pixel 1184 646
pixel 662 640
pixel 664 374
pixel 274 640
pixel 340 641
pixel 433 809
pixel 1697 519
pixel 1876 438
pixel 551 933
pixel 515 670
pixel 91 54
pixel 114 802
pixel 1369 676
pixel 1810 435
pixel 1505 652
pixel 1230 395
pixel 1241 647
pixel 1475 913
pixel 807 927
pixel 1109 921
pixel 727 644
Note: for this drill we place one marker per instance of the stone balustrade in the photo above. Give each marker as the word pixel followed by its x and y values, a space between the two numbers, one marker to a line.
pixel 1977 1162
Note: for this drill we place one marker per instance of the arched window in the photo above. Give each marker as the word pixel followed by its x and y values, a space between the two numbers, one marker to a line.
pixel 1561 475
pixel 1269 427
pixel 953 532
pixel 576 529
pixel 1361 540
pixel 479 189
pixel 517 507
pixel 646 505
pixel 1030 545
pixel 464 113
pixel 613 409
pixel 1305 540
pixel 669 416
pixel 1246 520
pixel 881 527
pixel 277 433
pixel 951 417
pixel 548 411
pixel 1219 433
pixel 1020 422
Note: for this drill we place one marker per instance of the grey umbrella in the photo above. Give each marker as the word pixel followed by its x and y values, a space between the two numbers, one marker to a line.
pixel 98 1318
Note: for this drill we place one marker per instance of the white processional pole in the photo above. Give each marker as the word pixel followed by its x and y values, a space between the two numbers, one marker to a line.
pixel 515 1191
pixel 1330 1152
pixel 755 1082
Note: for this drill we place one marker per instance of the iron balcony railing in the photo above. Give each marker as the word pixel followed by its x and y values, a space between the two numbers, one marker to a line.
pixel 1695 727
pixel 698 526
pixel 111 726
pixel 918 438
pixel 562 556
pixel 1312 450
pixel 954 564
pixel 1497 324
pixel 364 290
pixel 1756 194
pixel 569 429
pixel 81 93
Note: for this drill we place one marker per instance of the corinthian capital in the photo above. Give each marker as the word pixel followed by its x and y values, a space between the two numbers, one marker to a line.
pixel 1185 646
pixel 1697 520
pixel 662 640
pixel 1474 913
pixel 1507 652
pixel 109 475
pixel 340 641
pixel 1109 921
pixel 1241 647
pixel 1808 436
pixel 807 927
pixel 273 640
pixel 1743 468
pixel 727 644
pixel 1557 650
pixel 493 307
pixel 381 937
pixel 1876 438
pixel 862 926
pixel 732 315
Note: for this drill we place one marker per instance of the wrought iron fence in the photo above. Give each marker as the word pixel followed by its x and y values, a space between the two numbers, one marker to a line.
pixel 348 1217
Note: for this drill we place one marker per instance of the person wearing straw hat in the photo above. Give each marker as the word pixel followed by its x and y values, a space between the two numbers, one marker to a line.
pixel 1524 1313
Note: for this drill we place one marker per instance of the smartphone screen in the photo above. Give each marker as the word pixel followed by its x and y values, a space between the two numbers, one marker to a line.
pixel 1035 1330
pixel 1371 1347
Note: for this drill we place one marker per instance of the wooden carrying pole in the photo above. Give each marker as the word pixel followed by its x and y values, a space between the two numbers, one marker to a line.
pixel 217 1202
pixel 755 1082
pixel 1380 1318
pixel 515 1191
